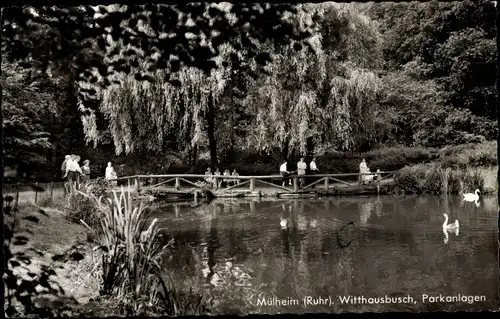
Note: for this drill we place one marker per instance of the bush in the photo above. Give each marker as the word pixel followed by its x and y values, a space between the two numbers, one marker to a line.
pixel 475 155
pixel 436 179
pixel 405 181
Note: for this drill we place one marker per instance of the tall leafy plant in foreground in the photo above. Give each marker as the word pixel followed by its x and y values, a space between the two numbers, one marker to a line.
pixel 131 259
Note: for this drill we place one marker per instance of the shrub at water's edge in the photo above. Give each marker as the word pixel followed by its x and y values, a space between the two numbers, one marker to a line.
pixel 131 260
pixel 436 179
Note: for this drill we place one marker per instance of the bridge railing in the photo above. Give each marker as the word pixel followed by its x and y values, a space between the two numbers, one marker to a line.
pixel 34 192
pixel 232 182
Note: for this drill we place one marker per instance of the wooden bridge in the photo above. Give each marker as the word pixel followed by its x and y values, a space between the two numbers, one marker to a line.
pixel 227 185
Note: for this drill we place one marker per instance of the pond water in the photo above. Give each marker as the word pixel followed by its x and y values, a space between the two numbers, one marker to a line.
pixel 238 254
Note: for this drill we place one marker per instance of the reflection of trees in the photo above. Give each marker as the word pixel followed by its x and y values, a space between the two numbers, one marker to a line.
pixel 399 249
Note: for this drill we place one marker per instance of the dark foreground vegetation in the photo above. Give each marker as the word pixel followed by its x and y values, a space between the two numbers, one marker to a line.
pixel 108 259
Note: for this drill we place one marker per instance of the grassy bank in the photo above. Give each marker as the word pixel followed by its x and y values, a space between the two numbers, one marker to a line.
pixel 99 256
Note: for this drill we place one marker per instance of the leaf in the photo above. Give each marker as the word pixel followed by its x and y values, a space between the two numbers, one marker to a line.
pixel 14 263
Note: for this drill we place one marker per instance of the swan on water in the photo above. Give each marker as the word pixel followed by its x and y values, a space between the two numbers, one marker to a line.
pixel 447 226
pixel 284 223
pixel 469 197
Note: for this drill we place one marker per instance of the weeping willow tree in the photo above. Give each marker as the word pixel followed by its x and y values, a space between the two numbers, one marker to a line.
pixel 156 116
pixel 318 95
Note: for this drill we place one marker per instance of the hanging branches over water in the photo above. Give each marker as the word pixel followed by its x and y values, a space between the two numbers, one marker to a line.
pixel 307 92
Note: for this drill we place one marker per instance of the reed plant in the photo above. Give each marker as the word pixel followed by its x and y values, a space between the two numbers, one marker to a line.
pixel 132 256
pixel 436 179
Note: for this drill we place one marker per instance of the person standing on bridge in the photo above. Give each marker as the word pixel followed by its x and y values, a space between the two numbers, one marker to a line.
pixel 314 170
pixel 110 173
pixel 86 170
pixel 217 180
pixel 73 170
pixel 63 166
pixel 227 181
pixel 301 170
pixel 208 175
pixel 235 180
pixel 63 173
pixel 284 173
pixel 363 169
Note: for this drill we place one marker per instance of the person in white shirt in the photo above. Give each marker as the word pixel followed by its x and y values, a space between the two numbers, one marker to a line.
pixel 363 169
pixel 73 170
pixel 301 170
pixel 235 180
pixel 63 166
pixel 110 173
pixel 284 173
pixel 314 170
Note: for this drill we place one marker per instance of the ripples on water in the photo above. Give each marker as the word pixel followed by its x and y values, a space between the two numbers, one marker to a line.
pixel 237 251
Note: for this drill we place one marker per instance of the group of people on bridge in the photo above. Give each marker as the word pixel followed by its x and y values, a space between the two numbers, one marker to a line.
pixel 224 182
pixel 302 168
pixel 73 174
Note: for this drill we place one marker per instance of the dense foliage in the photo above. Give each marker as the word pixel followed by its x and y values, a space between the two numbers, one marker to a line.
pixel 312 79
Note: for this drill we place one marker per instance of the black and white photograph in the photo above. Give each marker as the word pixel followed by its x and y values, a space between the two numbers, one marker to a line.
pixel 226 158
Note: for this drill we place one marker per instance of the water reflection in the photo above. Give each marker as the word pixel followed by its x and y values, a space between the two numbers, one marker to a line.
pixel 238 250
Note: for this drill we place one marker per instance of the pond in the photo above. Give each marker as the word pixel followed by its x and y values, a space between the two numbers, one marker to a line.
pixel 316 255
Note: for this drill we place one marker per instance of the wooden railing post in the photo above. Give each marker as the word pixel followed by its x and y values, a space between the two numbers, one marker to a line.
pixel 36 192
pixel 51 190
pixel 137 184
pixel 17 195
pixel 327 184
pixel 295 184
pixel 252 184
pixel 177 183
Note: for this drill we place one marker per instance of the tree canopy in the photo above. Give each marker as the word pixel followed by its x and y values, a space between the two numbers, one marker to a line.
pixel 212 80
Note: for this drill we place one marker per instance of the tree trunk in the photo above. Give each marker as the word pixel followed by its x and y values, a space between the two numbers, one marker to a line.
pixel 310 148
pixel 212 143
pixel 498 100
pixel 284 151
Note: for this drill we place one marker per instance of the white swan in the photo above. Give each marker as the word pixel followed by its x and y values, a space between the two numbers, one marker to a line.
pixel 446 231
pixel 469 197
pixel 447 226
pixel 284 223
